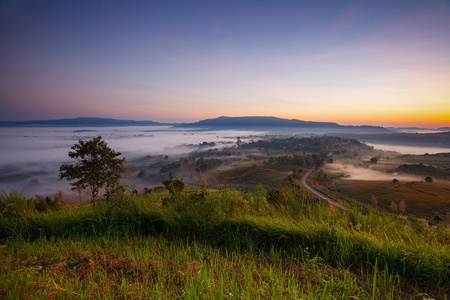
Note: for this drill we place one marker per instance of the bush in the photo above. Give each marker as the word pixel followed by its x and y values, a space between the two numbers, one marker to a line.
pixel 174 186
pixel 16 204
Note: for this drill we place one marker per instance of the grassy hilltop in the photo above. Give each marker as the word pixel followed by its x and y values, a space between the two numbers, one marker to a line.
pixel 250 231
pixel 206 243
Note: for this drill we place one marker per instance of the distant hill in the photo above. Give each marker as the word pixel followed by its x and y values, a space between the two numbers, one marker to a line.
pixel 232 122
pixel 439 139
pixel 80 122
pixel 272 122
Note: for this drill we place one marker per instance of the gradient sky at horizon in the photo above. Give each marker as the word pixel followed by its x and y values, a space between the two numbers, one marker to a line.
pixel 352 62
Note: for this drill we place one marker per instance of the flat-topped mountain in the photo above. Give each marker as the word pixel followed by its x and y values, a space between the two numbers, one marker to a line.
pixel 258 122
pixel 271 122
pixel 79 122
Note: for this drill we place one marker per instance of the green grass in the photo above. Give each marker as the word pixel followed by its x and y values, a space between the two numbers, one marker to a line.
pixel 221 244
pixel 153 267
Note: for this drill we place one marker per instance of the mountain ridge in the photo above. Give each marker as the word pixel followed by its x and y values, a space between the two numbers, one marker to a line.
pixel 269 121
pixel 223 122
pixel 80 122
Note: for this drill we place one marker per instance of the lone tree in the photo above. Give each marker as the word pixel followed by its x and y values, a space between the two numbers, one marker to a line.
pixel 97 167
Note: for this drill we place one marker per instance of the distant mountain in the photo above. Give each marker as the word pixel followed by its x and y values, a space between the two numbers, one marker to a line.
pixel 270 122
pixel 444 128
pixel 438 139
pixel 80 122
pixel 245 122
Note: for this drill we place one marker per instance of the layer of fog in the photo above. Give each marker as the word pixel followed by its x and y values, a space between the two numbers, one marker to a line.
pixel 30 157
pixel 366 173
pixel 409 149
pixel 416 130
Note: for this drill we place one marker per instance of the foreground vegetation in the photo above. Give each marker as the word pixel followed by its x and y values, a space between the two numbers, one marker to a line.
pixel 205 243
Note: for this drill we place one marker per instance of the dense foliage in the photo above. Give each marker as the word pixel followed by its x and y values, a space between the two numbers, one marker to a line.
pixel 422 169
pixel 97 167
pixel 205 164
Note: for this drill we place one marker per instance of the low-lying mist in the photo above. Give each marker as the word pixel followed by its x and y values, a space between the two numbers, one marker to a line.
pixel 367 173
pixel 30 157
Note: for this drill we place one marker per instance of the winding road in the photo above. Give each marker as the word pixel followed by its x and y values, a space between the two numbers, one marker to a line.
pixel 317 193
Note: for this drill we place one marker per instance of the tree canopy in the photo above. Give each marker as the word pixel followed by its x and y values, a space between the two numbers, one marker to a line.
pixel 97 167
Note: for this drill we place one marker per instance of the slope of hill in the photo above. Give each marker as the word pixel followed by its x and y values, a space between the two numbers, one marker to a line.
pixel 208 243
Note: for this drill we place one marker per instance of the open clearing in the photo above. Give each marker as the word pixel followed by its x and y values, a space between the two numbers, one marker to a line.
pixel 363 182
pixel 368 173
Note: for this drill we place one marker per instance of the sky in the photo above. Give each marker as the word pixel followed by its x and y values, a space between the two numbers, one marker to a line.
pixel 351 62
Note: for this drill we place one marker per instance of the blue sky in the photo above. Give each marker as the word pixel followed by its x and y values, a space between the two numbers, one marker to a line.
pixel 351 62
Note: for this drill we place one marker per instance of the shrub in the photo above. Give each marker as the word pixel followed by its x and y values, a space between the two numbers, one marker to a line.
pixel 16 204
pixel 174 186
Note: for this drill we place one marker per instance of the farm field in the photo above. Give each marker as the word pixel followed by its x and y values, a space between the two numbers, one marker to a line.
pixel 383 184
pixel 422 199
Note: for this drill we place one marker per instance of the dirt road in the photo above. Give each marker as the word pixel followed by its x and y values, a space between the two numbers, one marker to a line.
pixel 318 194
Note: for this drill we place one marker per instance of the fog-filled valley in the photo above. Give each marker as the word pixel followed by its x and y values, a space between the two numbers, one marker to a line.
pixel 226 189
pixel 31 157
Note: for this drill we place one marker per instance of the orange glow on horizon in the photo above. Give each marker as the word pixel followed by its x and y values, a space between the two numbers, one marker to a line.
pixel 388 119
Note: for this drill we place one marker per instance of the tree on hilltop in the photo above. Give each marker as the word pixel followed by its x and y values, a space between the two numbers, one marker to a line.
pixel 97 167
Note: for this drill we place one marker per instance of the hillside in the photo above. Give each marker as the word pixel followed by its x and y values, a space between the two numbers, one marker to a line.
pixel 245 245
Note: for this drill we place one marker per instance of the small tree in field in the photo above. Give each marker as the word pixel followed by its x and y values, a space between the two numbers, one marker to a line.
pixel 97 167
